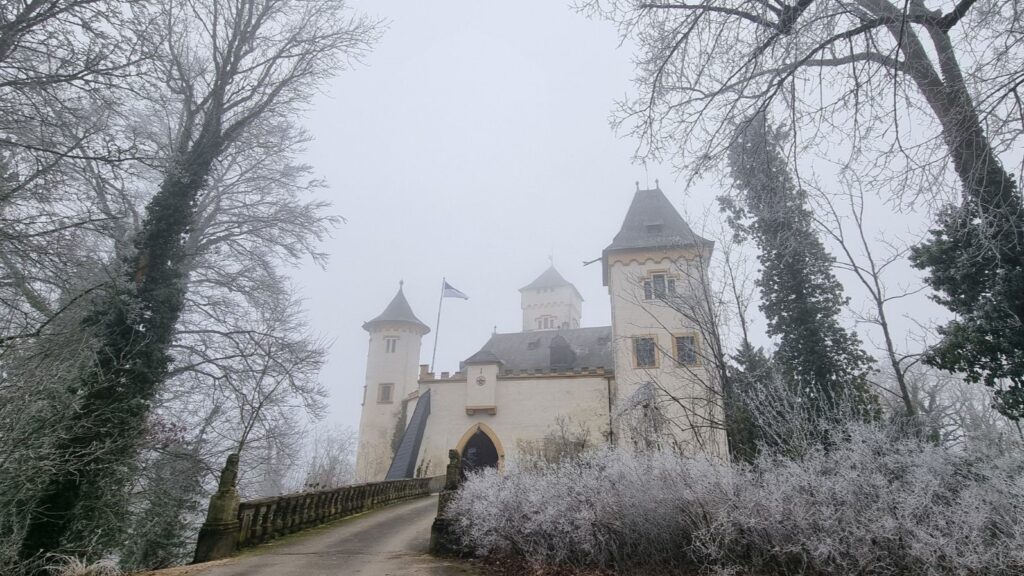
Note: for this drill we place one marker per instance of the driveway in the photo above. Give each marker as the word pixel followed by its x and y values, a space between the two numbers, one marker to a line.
pixel 391 541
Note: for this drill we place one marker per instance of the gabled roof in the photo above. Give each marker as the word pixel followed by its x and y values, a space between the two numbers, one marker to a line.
pixel 397 311
pixel 591 347
pixel 653 222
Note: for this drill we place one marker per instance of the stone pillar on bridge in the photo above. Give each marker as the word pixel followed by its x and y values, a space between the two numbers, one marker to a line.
pixel 442 540
pixel 218 538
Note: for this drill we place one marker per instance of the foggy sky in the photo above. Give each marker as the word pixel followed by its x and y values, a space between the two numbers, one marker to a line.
pixel 473 144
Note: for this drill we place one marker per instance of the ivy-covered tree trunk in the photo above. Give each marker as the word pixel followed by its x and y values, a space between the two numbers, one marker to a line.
pixel 135 326
pixel 801 298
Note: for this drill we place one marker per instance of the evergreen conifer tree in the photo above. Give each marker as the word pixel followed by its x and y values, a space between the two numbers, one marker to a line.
pixel 750 368
pixel 975 263
pixel 801 298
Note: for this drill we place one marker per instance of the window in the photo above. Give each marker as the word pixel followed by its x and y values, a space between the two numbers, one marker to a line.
pixel 686 350
pixel 545 323
pixel 645 352
pixel 390 344
pixel 659 286
pixel 384 393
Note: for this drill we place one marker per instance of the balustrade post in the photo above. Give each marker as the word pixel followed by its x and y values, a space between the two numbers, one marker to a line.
pixel 219 535
pixel 294 513
pixel 267 534
pixel 256 527
pixel 442 539
pixel 318 508
pixel 307 511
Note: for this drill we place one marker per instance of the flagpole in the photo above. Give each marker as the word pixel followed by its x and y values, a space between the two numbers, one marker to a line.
pixel 437 326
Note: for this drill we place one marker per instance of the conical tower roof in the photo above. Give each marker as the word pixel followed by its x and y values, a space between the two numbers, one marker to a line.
pixel 653 222
pixel 398 311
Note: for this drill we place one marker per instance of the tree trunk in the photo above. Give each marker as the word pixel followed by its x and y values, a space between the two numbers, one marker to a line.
pixel 135 328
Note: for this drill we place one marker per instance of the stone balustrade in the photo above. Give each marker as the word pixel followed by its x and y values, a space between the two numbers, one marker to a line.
pixel 265 519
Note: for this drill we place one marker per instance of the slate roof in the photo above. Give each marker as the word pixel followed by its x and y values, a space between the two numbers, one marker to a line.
pixel 397 311
pixel 550 278
pixel 652 222
pixel 532 350
pixel 403 465
pixel 483 357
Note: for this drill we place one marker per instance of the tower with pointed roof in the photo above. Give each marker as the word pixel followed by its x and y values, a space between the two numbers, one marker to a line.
pixel 656 273
pixel 391 376
pixel 550 303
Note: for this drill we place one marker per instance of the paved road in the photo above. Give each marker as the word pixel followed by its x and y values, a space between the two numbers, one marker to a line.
pixel 387 542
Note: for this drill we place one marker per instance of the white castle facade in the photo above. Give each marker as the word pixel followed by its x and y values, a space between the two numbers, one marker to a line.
pixel 520 388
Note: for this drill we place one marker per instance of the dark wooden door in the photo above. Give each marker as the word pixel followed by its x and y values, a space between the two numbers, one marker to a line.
pixel 479 453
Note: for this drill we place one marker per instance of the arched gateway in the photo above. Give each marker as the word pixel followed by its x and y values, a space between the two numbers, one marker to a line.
pixel 480 448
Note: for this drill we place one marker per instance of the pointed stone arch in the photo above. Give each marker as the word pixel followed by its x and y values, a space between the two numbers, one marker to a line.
pixel 491 434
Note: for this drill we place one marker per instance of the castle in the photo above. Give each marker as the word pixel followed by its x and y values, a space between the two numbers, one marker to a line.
pixel 519 389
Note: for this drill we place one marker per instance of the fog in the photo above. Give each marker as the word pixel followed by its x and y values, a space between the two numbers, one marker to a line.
pixel 474 144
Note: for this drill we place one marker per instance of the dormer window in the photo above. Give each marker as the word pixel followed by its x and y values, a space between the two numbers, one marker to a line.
pixel 659 286
pixel 653 228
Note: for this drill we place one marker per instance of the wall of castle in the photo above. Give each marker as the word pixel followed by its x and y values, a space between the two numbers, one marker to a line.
pixel 526 409
pixel 636 316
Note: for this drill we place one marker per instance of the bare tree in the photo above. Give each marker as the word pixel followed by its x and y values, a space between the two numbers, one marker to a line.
pixel 860 255
pixel 227 66
pixel 330 458
pixel 704 65
pixel 861 74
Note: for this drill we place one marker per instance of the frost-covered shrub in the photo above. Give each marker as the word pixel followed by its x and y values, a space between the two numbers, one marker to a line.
pixel 874 505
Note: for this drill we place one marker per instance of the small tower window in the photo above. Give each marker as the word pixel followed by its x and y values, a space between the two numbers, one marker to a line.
pixel 385 393
pixel 390 344
pixel 659 286
pixel 545 323
pixel 645 352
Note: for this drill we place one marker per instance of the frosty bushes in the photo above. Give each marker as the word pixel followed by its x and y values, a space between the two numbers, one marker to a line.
pixel 876 505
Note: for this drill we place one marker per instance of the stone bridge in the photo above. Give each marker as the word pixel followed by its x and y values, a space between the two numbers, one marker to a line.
pixel 376 528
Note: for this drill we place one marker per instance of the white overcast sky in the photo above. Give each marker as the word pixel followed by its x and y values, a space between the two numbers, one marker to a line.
pixel 472 144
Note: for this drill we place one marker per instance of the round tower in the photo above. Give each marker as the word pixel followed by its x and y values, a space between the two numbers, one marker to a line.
pixel 392 364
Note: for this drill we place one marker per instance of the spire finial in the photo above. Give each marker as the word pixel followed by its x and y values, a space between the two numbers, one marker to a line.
pixel 637 185
pixel 657 185
pixel 551 259
pixel 401 283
